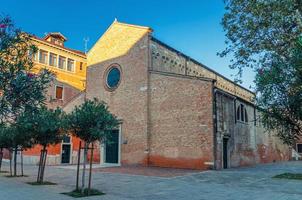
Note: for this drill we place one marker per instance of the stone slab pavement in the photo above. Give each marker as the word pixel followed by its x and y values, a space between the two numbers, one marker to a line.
pixel 250 183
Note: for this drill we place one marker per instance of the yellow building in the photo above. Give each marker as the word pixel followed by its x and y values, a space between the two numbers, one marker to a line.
pixel 68 65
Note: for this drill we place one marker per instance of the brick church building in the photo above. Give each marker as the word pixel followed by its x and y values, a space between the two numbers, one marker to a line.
pixel 174 111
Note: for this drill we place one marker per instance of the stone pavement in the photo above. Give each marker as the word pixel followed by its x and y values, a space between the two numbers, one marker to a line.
pixel 252 183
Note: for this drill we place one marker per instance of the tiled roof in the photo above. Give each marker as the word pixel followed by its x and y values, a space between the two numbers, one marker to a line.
pixel 56 45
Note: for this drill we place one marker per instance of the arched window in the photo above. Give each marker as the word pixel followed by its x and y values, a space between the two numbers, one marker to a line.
pixel 241 113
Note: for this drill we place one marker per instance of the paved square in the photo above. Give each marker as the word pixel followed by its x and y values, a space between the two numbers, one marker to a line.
pixel 233 184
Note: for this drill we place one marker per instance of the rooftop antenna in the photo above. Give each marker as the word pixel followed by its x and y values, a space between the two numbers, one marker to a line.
pixel 86 40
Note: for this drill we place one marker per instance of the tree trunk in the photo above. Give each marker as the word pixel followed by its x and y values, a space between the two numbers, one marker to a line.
pixel 78 165
pixel 90 169
pixel 84 167
pixel 43 164
pixel 1 157
pixel 22 172
pixel 40 163
pixel 15 161
pixel 10 162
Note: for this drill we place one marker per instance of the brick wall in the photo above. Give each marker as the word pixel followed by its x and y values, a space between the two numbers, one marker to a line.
pixel 248 142
pixel 181 123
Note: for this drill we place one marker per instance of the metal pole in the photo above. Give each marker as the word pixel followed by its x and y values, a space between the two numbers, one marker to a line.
pixel 91 157
pixel 1 157
pixel 22 172
pixel 10 162
pixel 78 167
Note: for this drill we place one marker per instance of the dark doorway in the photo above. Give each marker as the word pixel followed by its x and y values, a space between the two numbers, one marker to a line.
pixel 225 153
pixel 66 153
pixel 112 147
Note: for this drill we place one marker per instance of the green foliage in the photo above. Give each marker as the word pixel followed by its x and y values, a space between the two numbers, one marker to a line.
pixel 20 89
pixel 280 89
pixel 79 194
pixel 266 36
pixel 256 29
pixel 289 176
pixel 5 137
pixel 45 125
pixel 91 120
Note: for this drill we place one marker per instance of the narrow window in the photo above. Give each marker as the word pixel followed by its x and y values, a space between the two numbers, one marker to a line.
pixel 59 92
pixel 70 65
pixel 241 112
pixel 245 115
pixel 62 62
pixel 43 57
pixel 238 113
pixel 81 65
pixel 53 59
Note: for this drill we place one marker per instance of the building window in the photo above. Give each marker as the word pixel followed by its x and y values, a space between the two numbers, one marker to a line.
pixel 113 77
pixel 62 62
pixel 81 65
pixel 43 57
pixel 59 92
pixel 53 59
pixel 299 148
pixel 32 55
pixel 70 65
pixel 241 114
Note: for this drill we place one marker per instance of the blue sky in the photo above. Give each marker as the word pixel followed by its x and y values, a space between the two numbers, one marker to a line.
pixel 191 26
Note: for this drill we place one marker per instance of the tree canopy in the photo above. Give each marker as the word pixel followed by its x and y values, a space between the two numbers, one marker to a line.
pixel 91 120
pixel 280 94
pixel 20 89
pixel 266 36
pixel 257 29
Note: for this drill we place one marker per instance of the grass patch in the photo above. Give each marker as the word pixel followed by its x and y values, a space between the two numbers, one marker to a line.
pixel 18 176
pixel 44 183
pixel 78 194
pixel 289 176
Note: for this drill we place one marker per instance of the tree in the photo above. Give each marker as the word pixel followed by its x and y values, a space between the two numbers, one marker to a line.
pixel 280 86
pixel 256 30
pixel 46 126
pixel 90 122
pixel 20 139
pixel 20 89
pixel 265 36
pixel 5 141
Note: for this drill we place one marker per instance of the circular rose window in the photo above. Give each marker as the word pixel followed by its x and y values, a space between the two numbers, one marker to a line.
pixel 113 77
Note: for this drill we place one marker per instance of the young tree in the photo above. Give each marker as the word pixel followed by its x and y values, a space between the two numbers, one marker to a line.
pixel 5 141
pixel 20 90
pixel 46 127
pixel 90 122
pixel 20 140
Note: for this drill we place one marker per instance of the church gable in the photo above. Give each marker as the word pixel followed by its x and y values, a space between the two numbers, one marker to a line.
pixel 116 41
